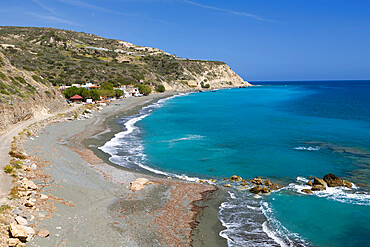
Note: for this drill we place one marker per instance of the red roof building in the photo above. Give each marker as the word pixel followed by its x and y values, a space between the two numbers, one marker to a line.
pixel 76 98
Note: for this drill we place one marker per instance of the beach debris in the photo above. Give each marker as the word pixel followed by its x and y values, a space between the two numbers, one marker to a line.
pixel 307 191
pixel 138 184
pixel 332 180
pixel 21 221
pixel 235 178
pixel 43 233
pixel 227 185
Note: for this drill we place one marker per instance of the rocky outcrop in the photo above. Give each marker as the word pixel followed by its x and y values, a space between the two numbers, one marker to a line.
pixel 307 191
pixel 22 97
pixel 332 180
pixel 319 181
pixel 347 184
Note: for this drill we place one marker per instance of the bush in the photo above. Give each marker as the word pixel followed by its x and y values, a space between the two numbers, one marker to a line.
pixel 4 207
pixel 143 89
pixel 8 169
pixel 160 88
pixel 17 155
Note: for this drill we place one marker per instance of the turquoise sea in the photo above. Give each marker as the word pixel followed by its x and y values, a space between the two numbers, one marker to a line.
pixel 283 131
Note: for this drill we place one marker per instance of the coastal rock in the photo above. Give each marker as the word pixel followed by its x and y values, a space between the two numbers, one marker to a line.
pixel 257 189
pixel 29 204
pixel 23 233
pixel 43 233
pixel 138 184
pixel 347 184
pixel 307 191
pixel 28 184
pixel 309 183
pixel 227 185
pixel 257 181
pixel 319 181
pixel 275 186
pixel 318 187
pixel 235 178
pixel 268 183
pixel 244 184
pixel 21 221
pixel 332 180
pixel 13 242
pixel 43 197
pixel 265 190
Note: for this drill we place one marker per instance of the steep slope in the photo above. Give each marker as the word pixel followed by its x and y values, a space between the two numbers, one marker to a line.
pixel 66 57
pixel 24 95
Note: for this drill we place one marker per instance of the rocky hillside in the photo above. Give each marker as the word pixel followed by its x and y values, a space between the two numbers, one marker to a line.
pixel 24 94
pixel 67 57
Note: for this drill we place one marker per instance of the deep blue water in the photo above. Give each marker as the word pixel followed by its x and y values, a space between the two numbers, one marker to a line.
pixel 284 131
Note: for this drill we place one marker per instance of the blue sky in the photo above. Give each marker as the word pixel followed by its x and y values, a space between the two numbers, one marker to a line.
pixel 259 39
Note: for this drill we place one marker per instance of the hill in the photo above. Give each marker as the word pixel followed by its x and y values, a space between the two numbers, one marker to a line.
pixel 66 57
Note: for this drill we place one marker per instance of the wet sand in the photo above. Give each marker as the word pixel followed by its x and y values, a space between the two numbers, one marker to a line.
pixel 99 209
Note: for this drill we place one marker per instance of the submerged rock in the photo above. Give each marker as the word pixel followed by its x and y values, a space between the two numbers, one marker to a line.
pixel 332 180
pixel 235 178
pixel 318 187
pixel 257 189
pixel 307 191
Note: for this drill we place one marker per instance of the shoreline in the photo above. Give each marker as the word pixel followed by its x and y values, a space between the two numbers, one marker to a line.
pixel 167 195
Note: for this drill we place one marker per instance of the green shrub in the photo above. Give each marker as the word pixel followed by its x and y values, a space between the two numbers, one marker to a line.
pixel 8 169
pixel 4 207
pixel 160 88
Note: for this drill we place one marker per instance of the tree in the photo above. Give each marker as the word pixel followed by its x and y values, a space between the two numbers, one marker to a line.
pixel 83 92
pixel 143 89
pixel 106 86
pixel 160 88
pixel 94 94
pixel 119 93
pixel 71 91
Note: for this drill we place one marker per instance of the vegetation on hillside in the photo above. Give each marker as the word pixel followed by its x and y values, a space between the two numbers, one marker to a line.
pixel 64 57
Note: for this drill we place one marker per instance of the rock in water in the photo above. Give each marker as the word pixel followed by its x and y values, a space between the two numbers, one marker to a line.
pixel 268 183
pixel 309 183
pixel 347 184
pixel 235 178
pixel 332 180
pixel 227 185
pixel 265 190
pixel 319 181
pixel 257 189
pixel 318 187
pixel 307 191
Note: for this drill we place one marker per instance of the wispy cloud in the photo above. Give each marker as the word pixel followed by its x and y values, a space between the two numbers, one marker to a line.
pixel 256 17
pixel 44 7
pixel 53 18
pixel 85 5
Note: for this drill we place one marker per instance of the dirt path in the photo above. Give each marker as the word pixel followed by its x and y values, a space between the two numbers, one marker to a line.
pixel 5 142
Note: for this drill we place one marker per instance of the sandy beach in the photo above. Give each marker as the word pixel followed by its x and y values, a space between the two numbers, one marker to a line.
pixel 93 205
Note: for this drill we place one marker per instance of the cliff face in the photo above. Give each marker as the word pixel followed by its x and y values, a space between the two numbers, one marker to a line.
pixel 24 95
pixel 66 57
